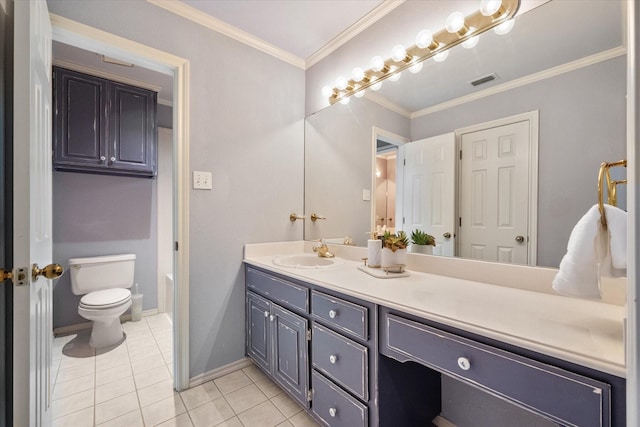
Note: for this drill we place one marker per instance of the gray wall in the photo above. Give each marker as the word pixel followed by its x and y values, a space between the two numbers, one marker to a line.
pixel 338 166
pixel 165 116
pixel 246 127
pixel 103 215
pixel 582 123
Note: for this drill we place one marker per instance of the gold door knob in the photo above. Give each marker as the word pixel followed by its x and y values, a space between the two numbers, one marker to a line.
pixel 51 271
pixel 447 235
pixel 5 274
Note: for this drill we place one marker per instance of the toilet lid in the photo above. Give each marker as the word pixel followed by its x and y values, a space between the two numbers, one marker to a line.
pixel 105 298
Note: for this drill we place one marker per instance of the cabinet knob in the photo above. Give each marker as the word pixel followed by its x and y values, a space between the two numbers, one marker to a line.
pixel 464 363
pixel 103 158
pixel 333 314
pixel 272 317
pixel 113 159
pixel 333 359
pixel 333 412
pixel 266 314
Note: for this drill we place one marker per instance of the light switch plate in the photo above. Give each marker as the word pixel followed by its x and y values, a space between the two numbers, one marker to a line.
pixel 366 195
pixel 202 180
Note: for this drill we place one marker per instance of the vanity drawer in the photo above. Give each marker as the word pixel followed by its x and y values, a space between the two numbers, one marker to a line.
pixel 335 407
pixel 286 293
pixel 561 396
pixel 344 315
pixel 341 359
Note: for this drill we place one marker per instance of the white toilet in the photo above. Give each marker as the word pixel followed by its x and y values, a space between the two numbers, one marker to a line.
pixel 104 281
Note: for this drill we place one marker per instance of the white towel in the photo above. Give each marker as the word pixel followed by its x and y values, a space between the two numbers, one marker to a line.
pixel 593 251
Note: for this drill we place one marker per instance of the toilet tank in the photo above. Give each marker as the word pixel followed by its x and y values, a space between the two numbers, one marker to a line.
pixel 101 272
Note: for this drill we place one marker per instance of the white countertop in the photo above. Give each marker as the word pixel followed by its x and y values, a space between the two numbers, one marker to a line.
pixel 584 332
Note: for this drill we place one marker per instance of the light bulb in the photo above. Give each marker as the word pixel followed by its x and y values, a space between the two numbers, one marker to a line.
pixel 357 74
pixel 377 63
pixel 341 83
pixel 398 53
pixel 395 77
pixel 416 68
pixel 344 101
pixel 327 91
pixel 376 86
pixel 455 22
pixel 505 27
pixel 441 56
pixel 424 39
pixel 490 7
pixel 360 93
pixel 470 43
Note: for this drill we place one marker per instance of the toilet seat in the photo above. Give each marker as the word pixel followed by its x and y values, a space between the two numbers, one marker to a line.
pixel 106 298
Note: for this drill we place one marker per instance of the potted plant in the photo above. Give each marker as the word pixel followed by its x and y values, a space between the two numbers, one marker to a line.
pixel 394 249
pixel 421 242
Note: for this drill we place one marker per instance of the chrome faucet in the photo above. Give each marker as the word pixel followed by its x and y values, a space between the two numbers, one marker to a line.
pixel 323 250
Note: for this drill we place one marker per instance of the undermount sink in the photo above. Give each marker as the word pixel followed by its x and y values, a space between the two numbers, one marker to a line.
pixel 305 261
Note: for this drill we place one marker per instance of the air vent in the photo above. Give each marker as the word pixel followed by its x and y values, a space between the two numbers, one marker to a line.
pixel 485 79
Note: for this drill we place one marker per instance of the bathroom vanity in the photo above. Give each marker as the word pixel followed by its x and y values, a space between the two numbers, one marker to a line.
pixel 360 351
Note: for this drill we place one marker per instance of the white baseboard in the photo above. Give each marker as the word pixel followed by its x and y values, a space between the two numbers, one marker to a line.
pixel 442 422
pixel 219 372
pixel 70 329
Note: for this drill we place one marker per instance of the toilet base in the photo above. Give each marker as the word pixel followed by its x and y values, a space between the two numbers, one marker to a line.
pixel 105 334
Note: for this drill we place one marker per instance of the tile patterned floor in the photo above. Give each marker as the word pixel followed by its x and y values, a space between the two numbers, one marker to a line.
pixel 130 384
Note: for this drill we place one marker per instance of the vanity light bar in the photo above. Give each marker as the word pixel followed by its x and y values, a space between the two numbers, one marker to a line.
pixel 473 25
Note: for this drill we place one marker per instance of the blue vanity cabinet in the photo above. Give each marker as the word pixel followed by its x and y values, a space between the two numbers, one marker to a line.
pixel 101 126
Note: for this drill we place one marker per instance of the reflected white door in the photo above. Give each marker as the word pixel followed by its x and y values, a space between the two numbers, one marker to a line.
pixel 494 194
pixel 32 214
pixel 429 188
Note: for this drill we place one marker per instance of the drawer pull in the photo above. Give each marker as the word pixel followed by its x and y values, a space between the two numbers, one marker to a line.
pixel 464 363
pixel 333 412
pixel 333 359
pixel 272 318
pixel 333 314
pixel 266 314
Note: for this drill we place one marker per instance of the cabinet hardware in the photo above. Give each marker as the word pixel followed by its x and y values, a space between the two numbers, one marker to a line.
pixel 333 314
pixel 333 359
pixel 333 412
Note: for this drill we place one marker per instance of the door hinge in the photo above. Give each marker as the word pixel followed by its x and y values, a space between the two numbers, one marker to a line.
pixel 460 222
pixel 176 246
pixel 404 162
pixel 308 334
pixel 460 154
pixel 309 395
pixel 403 220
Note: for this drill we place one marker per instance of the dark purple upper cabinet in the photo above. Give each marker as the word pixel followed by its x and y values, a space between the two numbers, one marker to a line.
pixel 101 126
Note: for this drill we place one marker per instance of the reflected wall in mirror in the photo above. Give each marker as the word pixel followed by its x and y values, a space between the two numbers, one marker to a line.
pixel 572 73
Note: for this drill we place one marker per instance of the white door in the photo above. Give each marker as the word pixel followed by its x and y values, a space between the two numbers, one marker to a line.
pixel 429 189
pixel 32 214
pixel 494 194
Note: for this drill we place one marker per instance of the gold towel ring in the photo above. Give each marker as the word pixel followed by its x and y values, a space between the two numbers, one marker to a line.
pixel 611 186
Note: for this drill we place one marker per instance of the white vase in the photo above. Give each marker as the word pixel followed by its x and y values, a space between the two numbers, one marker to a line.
pixel 390 258
pixel 422 249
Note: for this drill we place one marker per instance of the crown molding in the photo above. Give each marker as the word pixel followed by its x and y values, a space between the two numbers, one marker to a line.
pixel 362 24
pixel 384 102
pixel 165 102
pixel 181 9
pixel 104 74
pixel 523 81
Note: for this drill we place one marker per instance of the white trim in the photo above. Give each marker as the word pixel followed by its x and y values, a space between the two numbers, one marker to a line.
pixel 80 35
pixel 384 102
pixel 632 334
pixel 219 372
pixel 440 421
pixel 208 21
pixel 523 81
pixel 105 74
pixel 533 118
pixel 362 24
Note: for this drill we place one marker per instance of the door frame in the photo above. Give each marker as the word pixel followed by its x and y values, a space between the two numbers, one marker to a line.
pixel 83 36
pixel 399 141
pixel 532 230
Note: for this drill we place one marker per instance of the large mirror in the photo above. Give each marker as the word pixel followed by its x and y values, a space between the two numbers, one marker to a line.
pixel 562 70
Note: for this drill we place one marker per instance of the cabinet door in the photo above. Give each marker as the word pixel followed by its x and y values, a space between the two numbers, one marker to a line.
pixel 132 130
pixel 79 120
pixel 258 330
pixel 290 350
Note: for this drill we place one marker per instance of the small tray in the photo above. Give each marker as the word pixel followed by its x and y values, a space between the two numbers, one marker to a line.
pixel 381 273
